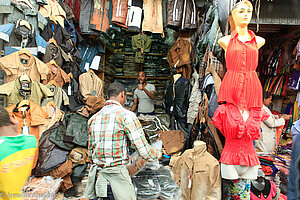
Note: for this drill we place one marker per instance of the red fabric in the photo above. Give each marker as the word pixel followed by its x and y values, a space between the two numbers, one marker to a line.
pixel 262 197
pixel 75 5
pixel 239 135
pixel 240 85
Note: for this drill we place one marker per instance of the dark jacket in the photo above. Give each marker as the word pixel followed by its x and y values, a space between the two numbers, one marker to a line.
pixel 182 14
pixel 177 105
pixel 75 133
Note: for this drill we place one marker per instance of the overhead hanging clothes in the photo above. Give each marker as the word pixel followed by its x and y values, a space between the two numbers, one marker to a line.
pixel 119 12
pixel 34 117
pixel 13 67
pixel 12 90
pixel 153 20
pixel 19 36
pixel 53 9
pixel 134 16
pixel 141 44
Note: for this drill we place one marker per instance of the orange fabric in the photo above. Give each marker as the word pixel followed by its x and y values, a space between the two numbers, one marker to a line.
pixel 240 85
pixel 35 117
pixel 278 134
pixel 57 74
pixel 100 20
pixel 64 171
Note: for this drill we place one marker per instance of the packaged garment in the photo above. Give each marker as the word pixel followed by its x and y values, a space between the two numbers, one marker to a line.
pixel 13 34
pixel 147 185
pixel 43 188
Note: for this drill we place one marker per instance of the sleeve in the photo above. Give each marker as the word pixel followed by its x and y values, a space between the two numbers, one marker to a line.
pixel 65 76
pixel 42 69
pixel 6 89
pixel 66 100
pixel 148 43
pixel 5 31
pixel 134 43
pixel 134 132
pixel 217 119
pixel 152 88
pixel 41 44
pixel 215 191
pixel 272 121
pixel 135 96
pixel 91 142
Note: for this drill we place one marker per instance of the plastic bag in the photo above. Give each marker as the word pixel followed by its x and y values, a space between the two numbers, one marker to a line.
pixel 43 188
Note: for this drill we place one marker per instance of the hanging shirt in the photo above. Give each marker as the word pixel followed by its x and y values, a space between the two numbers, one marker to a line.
pixel 58 75
pixel 34 117
pixel 239 135
pixel 16 159
pixel 240 85
pixel 90 84
pixel 60 97
pixel 12 90
pixel 13 68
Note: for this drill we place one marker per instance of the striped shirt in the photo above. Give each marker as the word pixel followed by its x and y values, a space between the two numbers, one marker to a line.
pixel 109 131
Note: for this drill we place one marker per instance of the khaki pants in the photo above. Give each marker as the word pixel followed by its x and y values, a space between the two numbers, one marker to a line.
pixel 120 182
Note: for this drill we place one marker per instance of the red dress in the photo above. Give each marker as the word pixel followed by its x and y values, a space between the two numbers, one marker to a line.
pixel 240 85
pixel 239 135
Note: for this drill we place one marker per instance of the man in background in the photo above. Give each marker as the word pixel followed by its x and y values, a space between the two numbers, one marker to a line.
pixel 16 157
pixel 144 96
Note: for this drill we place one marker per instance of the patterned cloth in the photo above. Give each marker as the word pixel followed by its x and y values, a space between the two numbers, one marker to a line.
pixel 238 189
pixel 108 133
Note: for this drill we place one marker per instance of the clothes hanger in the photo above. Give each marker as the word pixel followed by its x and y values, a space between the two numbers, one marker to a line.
pixel 53 41
pixel 25 51
pixel 52 82
pixel 52 62
pixel 24 77
pixel 52 18
pixel 52 104
pixel 70 75
pixel 23 103
pixel 25 23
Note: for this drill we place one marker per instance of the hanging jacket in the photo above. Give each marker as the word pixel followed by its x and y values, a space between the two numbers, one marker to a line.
pixel 11 34
pixel 70 28
pixel 179 54
pixel 182 14
pixel 139 42
pixel 75 5
pixel 153 21
pixel 176 104
pixel 120 9
pixel 55 53
pixel 134 15
pixel 53 9
pixel 198 174
pixel 88 50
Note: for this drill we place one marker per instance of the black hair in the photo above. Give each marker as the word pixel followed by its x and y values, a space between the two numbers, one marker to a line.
pixel 115 89
pixel 266 95
pixel 4 117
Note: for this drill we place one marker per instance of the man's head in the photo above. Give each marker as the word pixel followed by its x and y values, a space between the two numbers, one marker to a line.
pixel 8 126
pixel 142 77
pixel 267 98
pixel 116 91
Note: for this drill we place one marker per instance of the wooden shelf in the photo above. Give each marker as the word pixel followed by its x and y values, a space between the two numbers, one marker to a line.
pixel 150 54
pixel 148 77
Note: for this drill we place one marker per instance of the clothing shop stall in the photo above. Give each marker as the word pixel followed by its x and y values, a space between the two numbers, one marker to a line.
pixel 58 58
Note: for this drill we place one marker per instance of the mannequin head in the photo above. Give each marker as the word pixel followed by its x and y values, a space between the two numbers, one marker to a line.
pixel 240 15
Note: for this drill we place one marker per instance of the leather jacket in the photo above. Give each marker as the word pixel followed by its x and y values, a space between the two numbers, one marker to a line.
pixel 120 9
pixel 179 54
pixel 177 105
pixel 182 14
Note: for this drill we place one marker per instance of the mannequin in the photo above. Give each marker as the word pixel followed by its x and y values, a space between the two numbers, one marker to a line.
pixel 241 91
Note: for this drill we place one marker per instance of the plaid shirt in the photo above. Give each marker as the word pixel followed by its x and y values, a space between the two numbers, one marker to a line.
pixel 108 133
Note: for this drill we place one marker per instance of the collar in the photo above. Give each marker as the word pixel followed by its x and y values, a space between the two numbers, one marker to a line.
pixel 235 34
pixel 59 115
pixel 112 102
pixel 265 192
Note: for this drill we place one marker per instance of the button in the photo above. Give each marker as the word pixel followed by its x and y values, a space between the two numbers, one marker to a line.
pixel 244 52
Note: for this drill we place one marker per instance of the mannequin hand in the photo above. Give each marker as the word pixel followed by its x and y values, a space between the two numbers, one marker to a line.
pixel 140 87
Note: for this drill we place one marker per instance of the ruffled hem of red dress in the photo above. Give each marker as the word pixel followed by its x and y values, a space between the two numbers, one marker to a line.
pixel 239 159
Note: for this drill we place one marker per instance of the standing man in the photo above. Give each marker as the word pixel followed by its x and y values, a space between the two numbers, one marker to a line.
pixel 16 157
pixel 144 96
pixel 110 130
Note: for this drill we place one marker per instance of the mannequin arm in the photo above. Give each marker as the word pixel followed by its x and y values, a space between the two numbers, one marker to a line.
pixel 224 41
pixel 260 41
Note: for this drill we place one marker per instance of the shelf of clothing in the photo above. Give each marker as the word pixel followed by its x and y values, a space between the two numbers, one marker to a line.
pixel 150 54
pixel 148 77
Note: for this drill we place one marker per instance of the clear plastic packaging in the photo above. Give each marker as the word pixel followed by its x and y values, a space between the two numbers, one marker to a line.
pixel 43 188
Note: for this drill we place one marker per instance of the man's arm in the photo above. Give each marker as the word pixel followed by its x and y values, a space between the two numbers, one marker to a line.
pixel 134 132
pixel 151 94
pixel 135 102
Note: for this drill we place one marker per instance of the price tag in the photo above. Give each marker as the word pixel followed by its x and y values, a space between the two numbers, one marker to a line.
pixel 25 130
pixel 69 90
pixel 171 108
pixel 190 182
